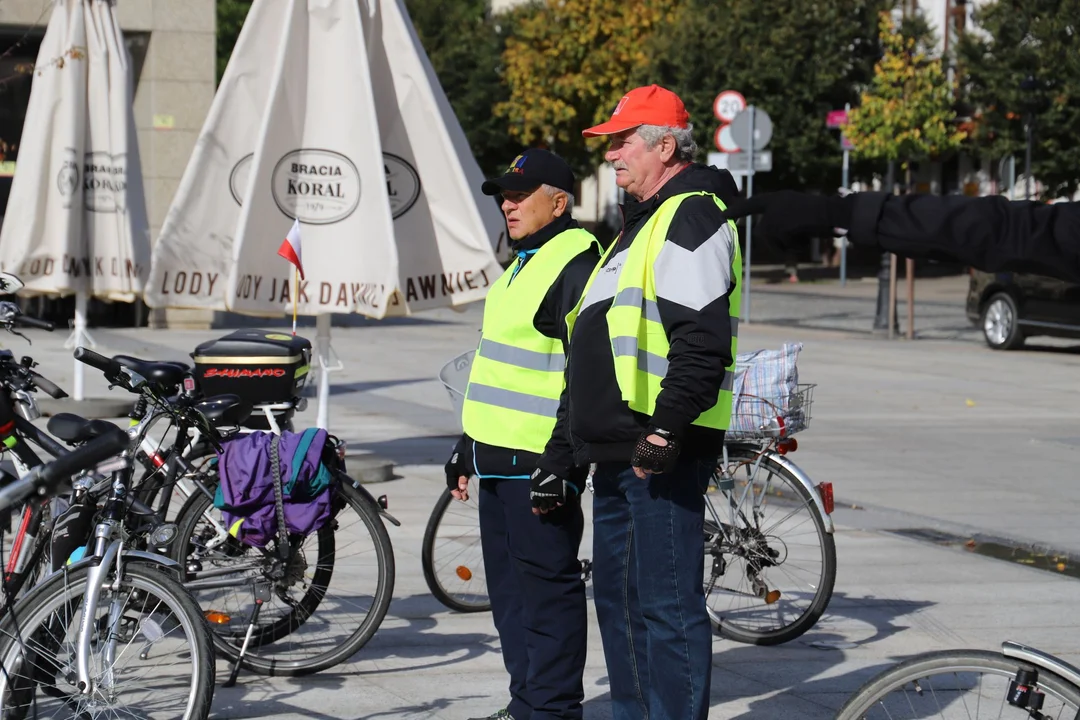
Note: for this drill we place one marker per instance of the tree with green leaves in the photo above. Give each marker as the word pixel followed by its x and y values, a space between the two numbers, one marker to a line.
pixel 907 111
pixel 230 18
pixel 567 63
pixel 1022 39
pixel 795 60
pixel 465 44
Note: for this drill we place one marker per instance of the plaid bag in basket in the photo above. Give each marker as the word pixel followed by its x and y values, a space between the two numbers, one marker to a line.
pixel 765 387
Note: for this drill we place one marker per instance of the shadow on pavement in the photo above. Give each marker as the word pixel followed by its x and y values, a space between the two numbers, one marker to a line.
pixel 424 450
pixel 782 676
pixel 415 641
pixel 425 710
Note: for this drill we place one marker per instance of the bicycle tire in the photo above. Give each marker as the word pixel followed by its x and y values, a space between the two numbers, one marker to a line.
pixel 67 586
pixel 352 498
pixel 947 661
pixel 427 560
pixel 730 629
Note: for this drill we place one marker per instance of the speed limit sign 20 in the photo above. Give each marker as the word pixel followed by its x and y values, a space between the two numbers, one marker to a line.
pixel 727 105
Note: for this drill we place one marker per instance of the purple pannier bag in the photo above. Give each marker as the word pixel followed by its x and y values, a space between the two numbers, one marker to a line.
pixel 245 494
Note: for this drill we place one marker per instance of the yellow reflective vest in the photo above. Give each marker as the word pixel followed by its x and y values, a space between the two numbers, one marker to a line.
pixel 638 341
pixel 517 374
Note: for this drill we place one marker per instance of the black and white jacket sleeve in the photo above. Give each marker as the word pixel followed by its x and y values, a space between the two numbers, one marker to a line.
pixel 694 281
pixel 988 233
pixel 550 321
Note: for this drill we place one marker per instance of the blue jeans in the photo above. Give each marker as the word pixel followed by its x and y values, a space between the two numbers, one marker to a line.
pixel 537 599
pixel 648 565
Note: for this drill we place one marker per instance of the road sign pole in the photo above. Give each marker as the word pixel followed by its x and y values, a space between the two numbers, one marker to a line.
pixel 844 182
pixel 749 222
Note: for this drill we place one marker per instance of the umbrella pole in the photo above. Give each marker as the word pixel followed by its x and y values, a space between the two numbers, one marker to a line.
pixel 322 347
pixel 79 337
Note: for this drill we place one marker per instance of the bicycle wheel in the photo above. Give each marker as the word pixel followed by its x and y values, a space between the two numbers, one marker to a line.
pixel 769 563
pixel 451 555
pixel 335 592
pixel 955 683
pixel 169 673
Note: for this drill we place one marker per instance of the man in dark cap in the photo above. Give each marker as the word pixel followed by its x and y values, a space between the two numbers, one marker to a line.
pixel 530 530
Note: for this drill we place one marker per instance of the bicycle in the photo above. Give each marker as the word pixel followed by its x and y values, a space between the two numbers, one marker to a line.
pixel 66 646
pixel 1037 684
pixel 756 590
pixel 285 589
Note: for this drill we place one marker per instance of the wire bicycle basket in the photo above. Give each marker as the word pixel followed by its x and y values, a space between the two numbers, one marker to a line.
pixel 454 376
pixel 771 418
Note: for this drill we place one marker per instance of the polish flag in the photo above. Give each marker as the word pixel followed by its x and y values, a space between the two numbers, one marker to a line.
pixel 290 248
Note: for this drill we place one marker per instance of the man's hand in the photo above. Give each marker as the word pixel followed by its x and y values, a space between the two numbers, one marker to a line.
pixel 793 218
pixel 458 469
pixel 549 491
pixel 656 452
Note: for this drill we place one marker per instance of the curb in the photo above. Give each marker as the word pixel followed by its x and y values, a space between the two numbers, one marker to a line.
pixel 1038 555
pixel 369 469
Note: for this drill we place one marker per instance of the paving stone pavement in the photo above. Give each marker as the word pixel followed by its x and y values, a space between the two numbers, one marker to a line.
pixel 938 434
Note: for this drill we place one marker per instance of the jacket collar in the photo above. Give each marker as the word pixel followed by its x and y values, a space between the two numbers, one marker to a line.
pixel 541 236
pixel 694 177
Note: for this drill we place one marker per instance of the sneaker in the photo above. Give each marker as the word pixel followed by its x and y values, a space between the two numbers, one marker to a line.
pixel 503 714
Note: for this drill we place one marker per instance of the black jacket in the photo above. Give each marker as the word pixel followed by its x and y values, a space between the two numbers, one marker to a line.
pixel 989 233
pixel 692 297
pixel 550 321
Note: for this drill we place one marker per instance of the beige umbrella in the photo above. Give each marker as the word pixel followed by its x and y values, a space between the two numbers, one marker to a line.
pixel 329 113
pixel 76 220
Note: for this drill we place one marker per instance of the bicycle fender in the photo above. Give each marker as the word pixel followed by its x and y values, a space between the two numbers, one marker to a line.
pixel 371 499
pixel 152 558
pixel 1040 659
pixel 807 483
pixel 126 556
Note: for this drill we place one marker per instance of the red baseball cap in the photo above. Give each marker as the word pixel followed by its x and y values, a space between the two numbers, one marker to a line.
pixel 650 105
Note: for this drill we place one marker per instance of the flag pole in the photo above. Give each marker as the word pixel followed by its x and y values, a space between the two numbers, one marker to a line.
pixel 296 291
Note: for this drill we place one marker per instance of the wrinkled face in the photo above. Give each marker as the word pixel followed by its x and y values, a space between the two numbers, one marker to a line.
pixel 529 210
pixel 637 167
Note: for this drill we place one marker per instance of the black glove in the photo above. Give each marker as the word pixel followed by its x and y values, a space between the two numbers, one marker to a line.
pixel 459 464
pixel 548 491
pixel 656 458
pixel 793 218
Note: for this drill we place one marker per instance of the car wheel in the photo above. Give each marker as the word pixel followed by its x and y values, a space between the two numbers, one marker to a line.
pixel 1000 323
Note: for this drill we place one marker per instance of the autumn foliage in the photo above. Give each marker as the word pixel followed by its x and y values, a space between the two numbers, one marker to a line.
pixel 907 112
pixel 568 63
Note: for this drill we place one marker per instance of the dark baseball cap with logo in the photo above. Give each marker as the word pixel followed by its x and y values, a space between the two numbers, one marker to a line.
pixel 530 170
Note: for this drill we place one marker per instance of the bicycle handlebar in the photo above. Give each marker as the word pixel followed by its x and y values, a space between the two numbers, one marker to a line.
pixel 34 323
pixel 110 367
pixel 46 478
pixel 48 386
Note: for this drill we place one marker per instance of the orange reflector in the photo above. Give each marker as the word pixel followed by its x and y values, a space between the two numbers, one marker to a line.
pixel 217 618
pixel 825 490
pixel 772 596
pixel 464 573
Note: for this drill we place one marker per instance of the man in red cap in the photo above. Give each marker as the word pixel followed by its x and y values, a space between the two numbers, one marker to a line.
pixel 648 397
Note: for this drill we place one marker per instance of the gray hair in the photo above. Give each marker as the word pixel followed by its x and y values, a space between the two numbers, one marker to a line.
pixel 552 191
pixel 685 149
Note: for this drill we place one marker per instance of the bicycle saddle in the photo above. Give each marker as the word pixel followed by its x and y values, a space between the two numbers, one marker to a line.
pixel 225 409
pixel 74 429
pixel 165 374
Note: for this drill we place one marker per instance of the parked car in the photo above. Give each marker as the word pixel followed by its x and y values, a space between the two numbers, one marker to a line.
pixel 1010 307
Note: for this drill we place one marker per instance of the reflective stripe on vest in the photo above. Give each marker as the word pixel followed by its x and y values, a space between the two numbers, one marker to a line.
pixel 516 377
pixel 639 343
pixel 529 359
